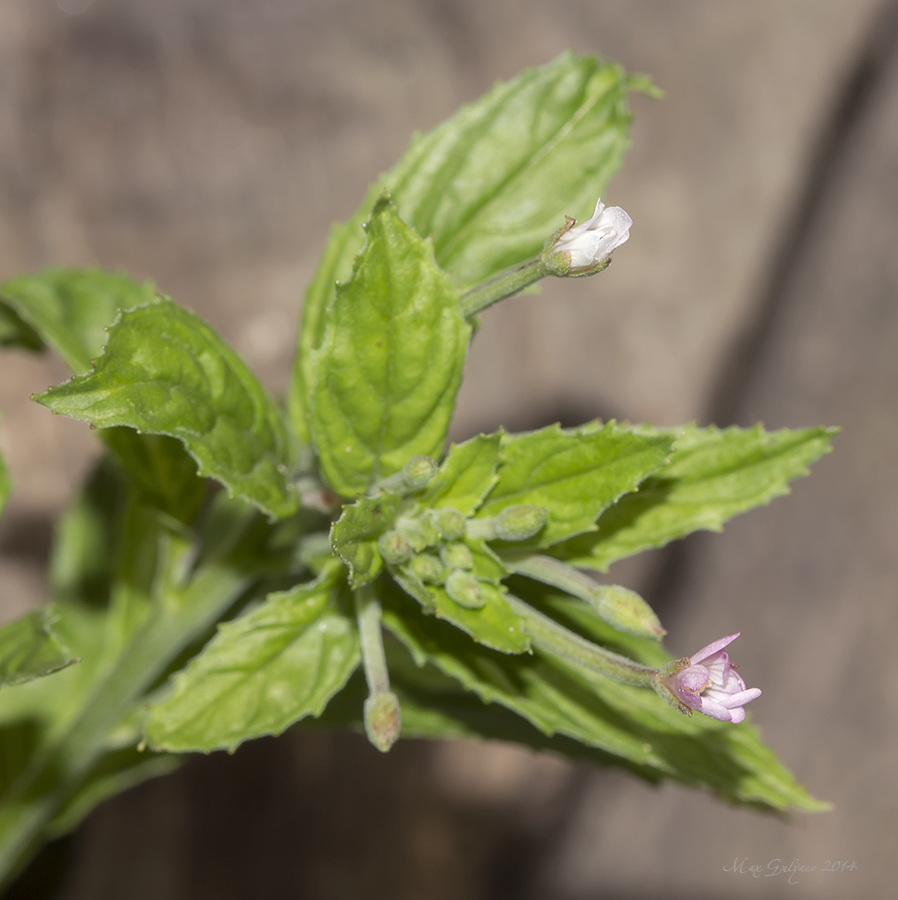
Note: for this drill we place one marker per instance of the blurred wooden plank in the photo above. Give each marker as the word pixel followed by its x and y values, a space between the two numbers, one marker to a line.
pixel 810 581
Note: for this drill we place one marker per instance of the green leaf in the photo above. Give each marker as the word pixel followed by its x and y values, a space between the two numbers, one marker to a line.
pixel 29 648
pixel 354 535
pixel 391 362
pixel 466 475
pixel 70 309
pixel 712 476
pixel 165 371
pixel 261 673
pixel 16 332
pixel 495 624
pixel 629 726
pixel 490 184
pixel 343 246
pixel 574 474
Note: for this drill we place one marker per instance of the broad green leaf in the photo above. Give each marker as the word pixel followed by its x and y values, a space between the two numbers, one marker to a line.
pixel 165 371
pixel 354 535
pixel 490 184
pixel 390 365
pixel 574 474
pixel 261 673
pixel 70 309
pixel 712 476
pixel 629 725
pixel 30 648
pixel 466 475
pixel 495 625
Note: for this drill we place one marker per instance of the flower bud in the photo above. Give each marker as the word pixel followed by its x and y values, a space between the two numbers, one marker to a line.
pixel 428 568
pixel 418 472
pixel 457 556
pixel 394 548
pixel 449 522
pixel 465 590
pixel 517 523
pixel 383 719
pixel 419 531
pixel 626 611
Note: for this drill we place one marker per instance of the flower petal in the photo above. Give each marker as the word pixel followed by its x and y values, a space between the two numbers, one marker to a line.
pixel 711 649
pixel 740 699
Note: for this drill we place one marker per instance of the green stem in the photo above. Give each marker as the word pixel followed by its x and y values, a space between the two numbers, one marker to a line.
pixel 548 635
pixel 553 572
pixel 368 613
pixel 505 284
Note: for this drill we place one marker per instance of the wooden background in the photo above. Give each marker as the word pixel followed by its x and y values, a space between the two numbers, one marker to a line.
pixel 208 144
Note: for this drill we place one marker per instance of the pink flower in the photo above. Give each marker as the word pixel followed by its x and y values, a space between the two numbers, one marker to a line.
pixel 707 682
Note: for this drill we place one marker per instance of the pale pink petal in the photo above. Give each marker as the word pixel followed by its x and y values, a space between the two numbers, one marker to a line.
pixel 711 649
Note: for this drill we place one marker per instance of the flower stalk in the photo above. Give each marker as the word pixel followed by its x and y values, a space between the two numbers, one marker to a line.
pixel 574 250
pixel 622 609
pixel 548 635
pixel 383 717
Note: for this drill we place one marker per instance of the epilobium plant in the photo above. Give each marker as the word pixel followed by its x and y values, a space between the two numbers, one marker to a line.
pixel 233 567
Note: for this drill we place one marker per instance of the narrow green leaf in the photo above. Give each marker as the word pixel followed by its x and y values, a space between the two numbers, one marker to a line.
pixel 628 725
pixel 261 673
pixel 490 184
pixel 712 476
pixel 354 535
pixel 70 309
pixel 495 624
pixel 466 475
pixel 574 474
pixel 165 371
pixel 390 365
pixel 29 648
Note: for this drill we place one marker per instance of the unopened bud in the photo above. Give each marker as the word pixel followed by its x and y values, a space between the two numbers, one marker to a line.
pixel 428 568
pixel 418 472
pixel 457 556
pixel 383 720
pixel 449 522
pixel 517 523
pixel 394 548
pixel 465 590
pixel 626 611
pixel 419 531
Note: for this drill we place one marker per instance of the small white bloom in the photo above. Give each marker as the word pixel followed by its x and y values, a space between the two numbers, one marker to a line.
pixel 593 241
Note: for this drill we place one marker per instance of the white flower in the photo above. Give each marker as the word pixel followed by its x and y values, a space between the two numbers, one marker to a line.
pixel 592 243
